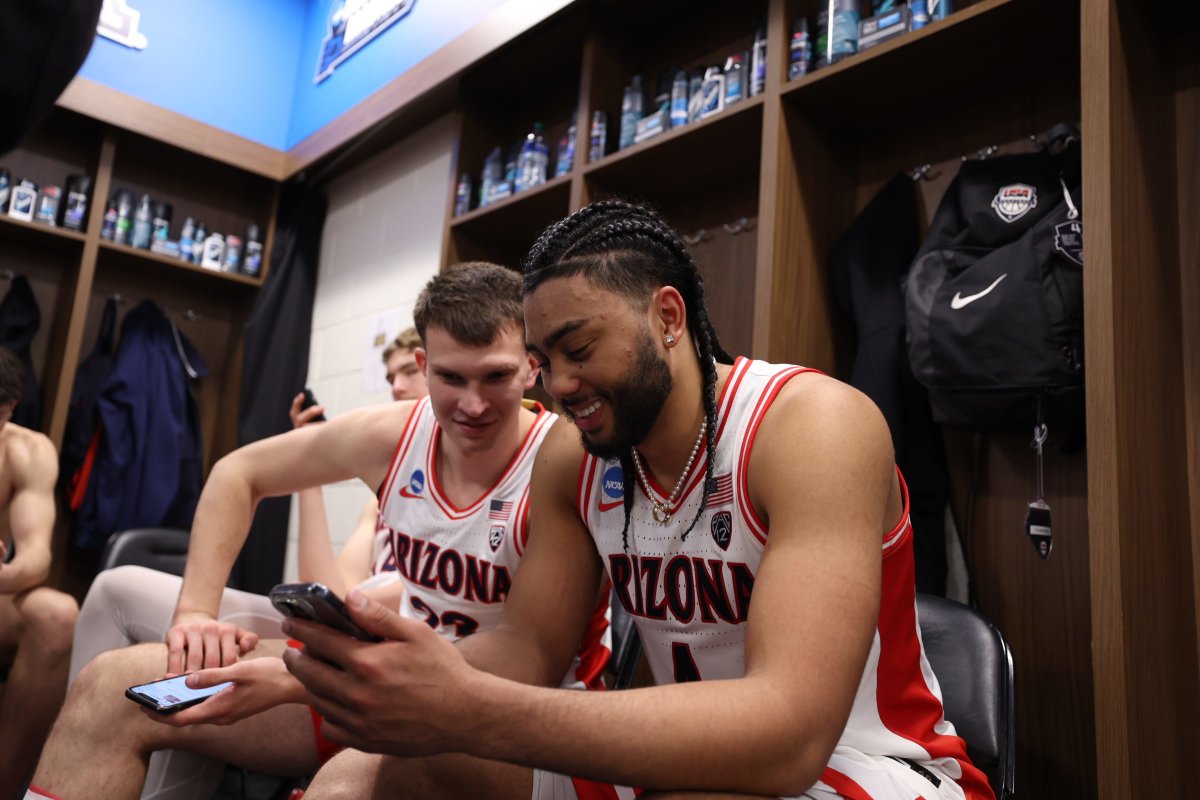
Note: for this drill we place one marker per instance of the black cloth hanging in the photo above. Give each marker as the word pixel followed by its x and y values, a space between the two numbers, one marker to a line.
pixel 81 440
pixel 868 263
pixel 149 466
pixel 19 323
pixel 42 45
pixel 275 368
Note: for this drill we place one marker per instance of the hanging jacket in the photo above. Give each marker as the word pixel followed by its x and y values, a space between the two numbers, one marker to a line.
pixel 867 265
pixel 149 466
pixel 19 323
pixel 82 438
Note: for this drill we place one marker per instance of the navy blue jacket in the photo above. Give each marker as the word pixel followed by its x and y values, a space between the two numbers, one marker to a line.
pixel 150 466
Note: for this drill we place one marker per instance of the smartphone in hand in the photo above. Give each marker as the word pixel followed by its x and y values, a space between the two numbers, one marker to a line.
pixel 315 602
pixel 309 401
pixel 171 694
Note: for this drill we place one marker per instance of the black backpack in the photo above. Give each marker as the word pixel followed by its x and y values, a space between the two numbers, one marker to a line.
pixel 994 298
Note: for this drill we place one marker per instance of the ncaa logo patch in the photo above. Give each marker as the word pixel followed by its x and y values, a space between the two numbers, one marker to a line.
pixel 1014 201
pixel 614 483
pixel 722 529
pixel 496 537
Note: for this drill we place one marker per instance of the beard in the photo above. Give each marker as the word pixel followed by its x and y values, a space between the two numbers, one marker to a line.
pixel 636 404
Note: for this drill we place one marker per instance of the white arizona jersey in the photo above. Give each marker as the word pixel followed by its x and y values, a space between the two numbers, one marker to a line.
pixel 690 599
pixel 457 564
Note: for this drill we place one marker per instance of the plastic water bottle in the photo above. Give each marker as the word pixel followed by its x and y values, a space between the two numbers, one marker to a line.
pixel 679 99
pixel 758 60
pixel 566 151
pixel 493 171
pixel 533 161
pixel 632 108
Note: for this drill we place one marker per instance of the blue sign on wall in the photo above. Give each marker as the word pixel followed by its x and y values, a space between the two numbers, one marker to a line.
pixel 248 68
pixel 354 23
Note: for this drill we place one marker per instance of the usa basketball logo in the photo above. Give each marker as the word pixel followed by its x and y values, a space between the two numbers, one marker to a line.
pixel 722 529
pixel 1014 201
pixel 496 537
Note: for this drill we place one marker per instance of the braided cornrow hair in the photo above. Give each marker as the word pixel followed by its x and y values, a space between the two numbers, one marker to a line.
pixel 631 250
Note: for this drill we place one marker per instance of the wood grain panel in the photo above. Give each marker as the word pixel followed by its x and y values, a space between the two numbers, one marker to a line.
pixel 125 111
pixel 1187 133
pixel 1140 558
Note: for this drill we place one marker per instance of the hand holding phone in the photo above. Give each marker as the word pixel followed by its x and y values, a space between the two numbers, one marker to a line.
pixel 315 602
pixel 170 695
pixel 310 400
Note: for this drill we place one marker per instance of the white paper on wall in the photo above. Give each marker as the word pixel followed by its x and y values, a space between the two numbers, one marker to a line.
pixel 381 329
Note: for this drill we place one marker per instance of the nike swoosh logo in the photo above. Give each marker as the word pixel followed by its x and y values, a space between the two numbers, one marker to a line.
pixel 958 301
pixel 610 506
pixel 404 492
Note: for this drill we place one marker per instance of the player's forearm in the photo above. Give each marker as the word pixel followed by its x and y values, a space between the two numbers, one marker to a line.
pixel 511 653
pixel 315 552
pixel 714 735
pixel 219 530
pixel 29 568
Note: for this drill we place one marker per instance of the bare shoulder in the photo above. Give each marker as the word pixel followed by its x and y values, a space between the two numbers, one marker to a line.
pixel 822 443
pixel 559 457
pixel 814 412
pixel 28 453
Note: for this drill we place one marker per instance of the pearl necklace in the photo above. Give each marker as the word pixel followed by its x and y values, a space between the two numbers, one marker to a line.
pixel 662 511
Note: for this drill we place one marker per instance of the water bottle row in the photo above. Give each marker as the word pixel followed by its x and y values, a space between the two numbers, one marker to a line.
pixel 146 225
pixel 527 166
pixel 842 30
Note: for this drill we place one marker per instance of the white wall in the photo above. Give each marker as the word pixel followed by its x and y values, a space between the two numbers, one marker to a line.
pixel 382 241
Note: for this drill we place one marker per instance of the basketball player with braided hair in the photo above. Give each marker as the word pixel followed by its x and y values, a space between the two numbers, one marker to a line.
pixel 752 521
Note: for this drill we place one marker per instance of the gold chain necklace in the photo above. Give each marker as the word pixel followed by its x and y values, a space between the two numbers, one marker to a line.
pixel 662 511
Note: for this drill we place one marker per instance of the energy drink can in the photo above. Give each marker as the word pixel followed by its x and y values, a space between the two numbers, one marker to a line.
pixel 233 254
pixel 47 205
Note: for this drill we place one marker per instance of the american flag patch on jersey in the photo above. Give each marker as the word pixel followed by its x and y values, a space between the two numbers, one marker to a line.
pixel 724 492
pixel 499 510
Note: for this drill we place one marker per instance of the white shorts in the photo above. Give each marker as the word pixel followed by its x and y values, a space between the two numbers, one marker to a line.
pixel 888 780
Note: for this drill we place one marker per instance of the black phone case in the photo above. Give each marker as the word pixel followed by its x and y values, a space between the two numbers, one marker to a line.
pixel 315 602
pixel 310 400
pixel 153 706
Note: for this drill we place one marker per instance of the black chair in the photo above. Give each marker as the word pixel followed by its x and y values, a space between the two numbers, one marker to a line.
pixel 163 549
pixel 974 668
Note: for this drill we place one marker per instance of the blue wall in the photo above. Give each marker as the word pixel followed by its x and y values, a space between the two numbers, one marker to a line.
pixel 248 67
pixel 229 63
pixel 430 25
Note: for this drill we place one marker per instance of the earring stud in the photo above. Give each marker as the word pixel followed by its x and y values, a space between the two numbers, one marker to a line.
pixel 670 339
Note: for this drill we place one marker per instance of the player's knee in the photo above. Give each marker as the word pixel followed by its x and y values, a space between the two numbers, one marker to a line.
pixel 114 670
pixel 49 618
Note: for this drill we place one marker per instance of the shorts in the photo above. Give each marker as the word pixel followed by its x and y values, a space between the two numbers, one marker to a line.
pixel 325 748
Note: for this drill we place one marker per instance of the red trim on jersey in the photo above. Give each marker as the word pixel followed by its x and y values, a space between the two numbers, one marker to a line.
pixel 906 705
pixel 521 532
pixel 402 445
pixel 40 792
pixel 587 474
pixel 325 748
pixel 741 366
pixel 757 527
pixel 591 790
pixel 844 785
pixel 448 508
pixel 593 655
pixel 903 530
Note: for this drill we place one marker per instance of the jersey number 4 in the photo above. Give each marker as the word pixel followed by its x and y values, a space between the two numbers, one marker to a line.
pixel 685 666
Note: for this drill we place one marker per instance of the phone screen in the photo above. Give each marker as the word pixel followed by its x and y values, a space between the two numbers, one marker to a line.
pixel 174 691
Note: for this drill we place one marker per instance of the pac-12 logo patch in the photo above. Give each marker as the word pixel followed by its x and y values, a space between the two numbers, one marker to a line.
pixel 613 486
pixel 722 529
pixel 1014 201
pixel 496 537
